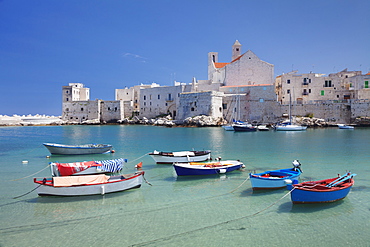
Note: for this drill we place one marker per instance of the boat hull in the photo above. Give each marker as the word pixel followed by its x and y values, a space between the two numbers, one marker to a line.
pixel 322 191
pixel 77 149
pixel 299 196
pixel 115 184
pixel 245 129
pixel 276 180
pixel 186 169
pixel 167 158
pixel 290 128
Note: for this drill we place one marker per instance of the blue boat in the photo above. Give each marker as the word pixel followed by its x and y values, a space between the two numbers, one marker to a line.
pixel 208 168
pixel 321 191
pixel 275 179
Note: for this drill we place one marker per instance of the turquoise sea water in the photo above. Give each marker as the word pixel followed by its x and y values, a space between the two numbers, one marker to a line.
pixel 195 211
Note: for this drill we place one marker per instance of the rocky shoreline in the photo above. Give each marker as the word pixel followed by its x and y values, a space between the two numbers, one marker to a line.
pixel 197 121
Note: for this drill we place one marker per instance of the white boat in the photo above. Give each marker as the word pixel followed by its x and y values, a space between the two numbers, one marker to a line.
pixel 275 179
pixel 289 126
pixel 262 128
pixel 180 157
pixel 344 126
pixel 55 148
pixel 207 168
pixel 86 167
pixel 87 184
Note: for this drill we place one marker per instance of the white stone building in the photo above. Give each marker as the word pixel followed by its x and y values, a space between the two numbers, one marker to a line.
pixel 244 69
pixel 312 87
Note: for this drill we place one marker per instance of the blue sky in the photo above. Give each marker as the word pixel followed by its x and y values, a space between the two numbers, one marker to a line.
pixel 109 44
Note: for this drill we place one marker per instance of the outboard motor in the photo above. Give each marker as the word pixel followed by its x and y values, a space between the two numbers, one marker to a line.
pixel 296 165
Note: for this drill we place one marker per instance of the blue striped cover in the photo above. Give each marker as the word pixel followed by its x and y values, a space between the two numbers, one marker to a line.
pixel 112 165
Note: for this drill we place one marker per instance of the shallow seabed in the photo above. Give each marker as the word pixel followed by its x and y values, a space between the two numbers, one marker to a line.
pixel 220 210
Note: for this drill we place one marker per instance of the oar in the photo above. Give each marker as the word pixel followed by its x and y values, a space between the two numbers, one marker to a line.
pixel 343 178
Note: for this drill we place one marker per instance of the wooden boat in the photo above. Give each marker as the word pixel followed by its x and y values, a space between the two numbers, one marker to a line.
pixel 181 156
pixel 55 148
pixel 275 179
pixel 87 184
pixel 344 126
pixel 208 168
pixel 86 167
pixel 327 190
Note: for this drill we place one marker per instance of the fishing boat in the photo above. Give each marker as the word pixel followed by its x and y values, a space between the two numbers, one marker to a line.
pixel 55 148
pixel 87 184
pixel 86 167
pixel 344 126
pixel 327 190
pixel 180 156
pixel 207 168
pixel 275 179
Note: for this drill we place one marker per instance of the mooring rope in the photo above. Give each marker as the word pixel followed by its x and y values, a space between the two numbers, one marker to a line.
pixel 138 158
pixel 146 181
pixel 27 192
pixel 31 174
pixel 211 226
pixel 239 185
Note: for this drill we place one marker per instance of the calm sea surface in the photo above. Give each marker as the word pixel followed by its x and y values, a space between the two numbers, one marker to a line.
pixel 205 211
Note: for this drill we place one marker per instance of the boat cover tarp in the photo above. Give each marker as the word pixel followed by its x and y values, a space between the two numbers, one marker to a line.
pixel 183 153
pixel 79 180
pixel 67 169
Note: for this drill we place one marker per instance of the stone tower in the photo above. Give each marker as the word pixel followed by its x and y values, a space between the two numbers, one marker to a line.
pixel 212 59
pixel 236 50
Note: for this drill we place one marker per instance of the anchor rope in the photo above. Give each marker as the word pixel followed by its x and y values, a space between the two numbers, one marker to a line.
pixel 31 174
pixel 210 226
pixel 239 185
pixel 138 158
pixel 27 192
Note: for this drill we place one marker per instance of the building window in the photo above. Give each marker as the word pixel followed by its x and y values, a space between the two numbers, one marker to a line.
pixel 262 100
pixel 288 81
pixel 169 96
pixel 288 91
pixel 224 106
pixel 322 93
pixel 159 96
pixel 366 84
pixel 67 99
pixel 192 109
pixel 67 91
pixel 144 97
pixel 328 84
pixel 82 109
pixel 108 108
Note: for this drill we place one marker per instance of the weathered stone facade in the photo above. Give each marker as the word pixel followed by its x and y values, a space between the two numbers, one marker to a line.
pixel 204 103
pixel 242 89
